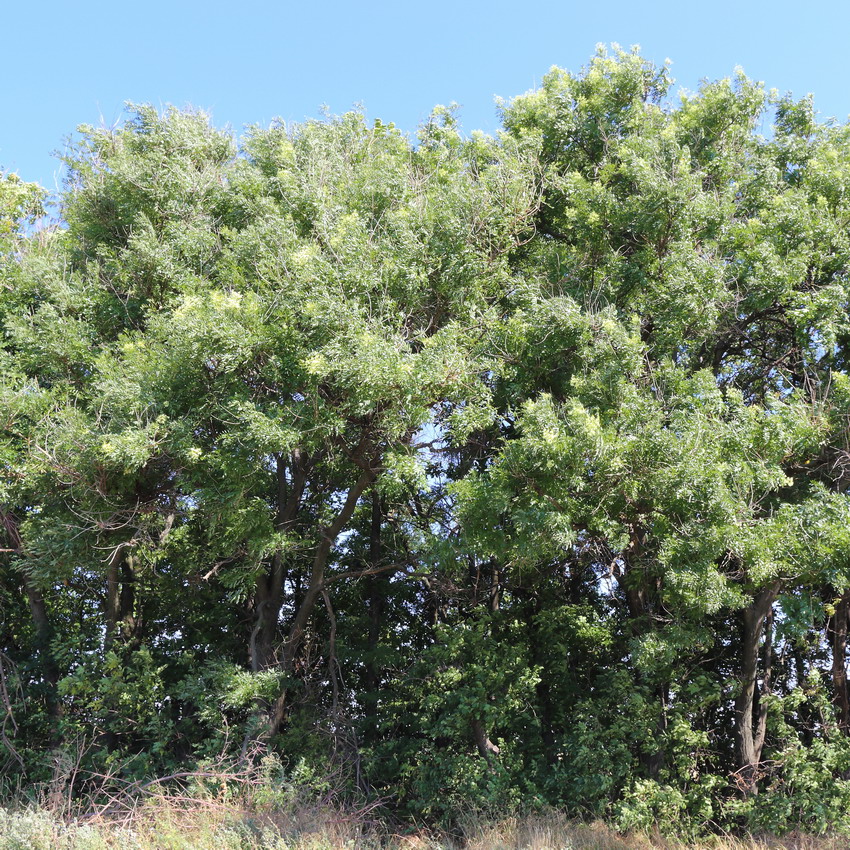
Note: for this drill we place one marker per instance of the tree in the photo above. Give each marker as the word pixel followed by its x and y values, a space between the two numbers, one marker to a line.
pixel 498 470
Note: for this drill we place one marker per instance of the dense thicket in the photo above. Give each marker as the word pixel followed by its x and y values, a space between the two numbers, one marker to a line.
pixel 480 471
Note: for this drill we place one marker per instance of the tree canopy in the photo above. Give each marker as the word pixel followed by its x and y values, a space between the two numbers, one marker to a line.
pixel 494 471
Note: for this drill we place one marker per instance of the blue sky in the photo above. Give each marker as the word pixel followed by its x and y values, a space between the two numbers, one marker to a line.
pixel 63 64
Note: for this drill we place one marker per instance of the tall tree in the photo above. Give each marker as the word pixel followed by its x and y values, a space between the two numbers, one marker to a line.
pixel 496 469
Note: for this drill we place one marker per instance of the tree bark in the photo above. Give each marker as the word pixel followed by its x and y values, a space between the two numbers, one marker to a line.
pixel 638 592
pixel 314 589
pixel 375 595
pixel 486 748
pixel 41 623
pixel 495 585
pixel 541 655
pixel 120 597
pixel 268 596
pixel 750 708
pixel 49 668
pixel 837 634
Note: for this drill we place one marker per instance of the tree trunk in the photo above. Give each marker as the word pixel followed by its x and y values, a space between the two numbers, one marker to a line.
pixel 129 615
pixel 268 596
pixel 49 668
pixel 495 585
pixel 750 708
pixel 42 626
pixel 486 748
pixel 837 635
pixel 632 580
pixel 375 596
pixel 542 656
pixel 314 590
pixel 123 613
pixel 120 598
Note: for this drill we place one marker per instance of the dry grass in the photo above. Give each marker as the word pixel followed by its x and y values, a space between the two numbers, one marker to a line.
pixel 164 827
pixel 555 832
pixel 160 825
pixel 230 809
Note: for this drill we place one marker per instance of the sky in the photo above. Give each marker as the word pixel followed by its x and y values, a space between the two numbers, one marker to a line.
pixel 64 64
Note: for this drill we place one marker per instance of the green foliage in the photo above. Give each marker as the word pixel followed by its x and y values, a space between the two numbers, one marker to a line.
pixel 465 472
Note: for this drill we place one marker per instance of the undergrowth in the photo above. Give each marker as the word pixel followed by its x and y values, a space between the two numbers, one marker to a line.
pixel 265 807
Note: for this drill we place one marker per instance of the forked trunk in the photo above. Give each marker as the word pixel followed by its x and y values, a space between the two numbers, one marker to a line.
pixel 313 592
pixel 750 706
